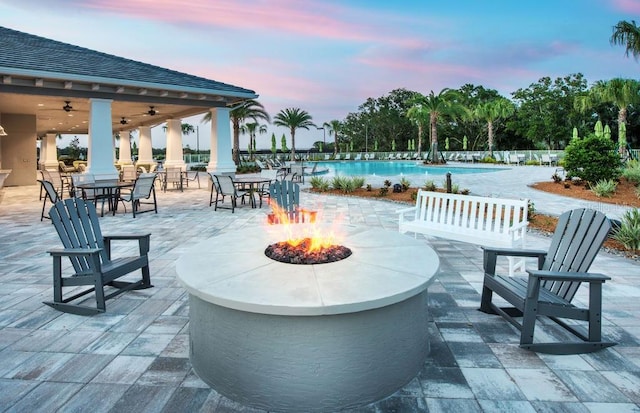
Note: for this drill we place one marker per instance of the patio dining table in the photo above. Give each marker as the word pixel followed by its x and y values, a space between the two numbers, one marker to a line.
pixel 251 184
pixel 108 191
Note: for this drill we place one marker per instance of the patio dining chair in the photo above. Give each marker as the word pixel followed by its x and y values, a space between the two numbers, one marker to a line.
pixel 224 187
pixel 50 194
pixel 173 176
pixel 143 189
pixel 128 173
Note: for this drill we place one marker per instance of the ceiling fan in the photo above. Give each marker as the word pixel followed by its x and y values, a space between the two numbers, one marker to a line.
pixel 123 121
pixel 67 107
pixel 152 111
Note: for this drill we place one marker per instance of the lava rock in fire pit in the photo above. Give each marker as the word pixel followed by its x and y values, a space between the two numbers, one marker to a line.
pixel 299 254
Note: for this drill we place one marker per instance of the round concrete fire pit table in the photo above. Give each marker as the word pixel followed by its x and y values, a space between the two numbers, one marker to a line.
pixel 322 337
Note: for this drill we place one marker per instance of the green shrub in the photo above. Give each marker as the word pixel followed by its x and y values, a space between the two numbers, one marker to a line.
pixel 638 192
pixel 532 162
pixel 556 178
pixel 455 188
pixel 430 186
pixel 349 186
pixel 604 188
pixel 629 232
pixel 358 181
pixel 383 191
pixel 319 183
pixel 406 184
pixel 387 183
pixel 414 195
pixel 368 187
pixel 465 191
pixel 631 172
pixel 338 182
pixel 488 159
pixel 593 159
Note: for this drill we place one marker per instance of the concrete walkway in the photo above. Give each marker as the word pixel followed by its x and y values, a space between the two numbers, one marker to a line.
pixel 134 357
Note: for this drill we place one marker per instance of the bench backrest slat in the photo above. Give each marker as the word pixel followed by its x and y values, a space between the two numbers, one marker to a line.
pixel 476 213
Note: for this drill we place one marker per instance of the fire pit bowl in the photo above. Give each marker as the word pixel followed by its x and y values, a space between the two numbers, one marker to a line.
pixel 316 337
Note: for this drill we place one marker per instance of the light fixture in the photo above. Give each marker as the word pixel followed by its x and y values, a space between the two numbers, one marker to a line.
pixel 2 132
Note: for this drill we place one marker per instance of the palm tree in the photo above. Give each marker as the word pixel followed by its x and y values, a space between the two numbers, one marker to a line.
pixel 491 112
pixel 419 115
pixel 251 128
pixel 444 103
pixel 334 128
pixel 293 118
pixel 248 109
pixel 627 34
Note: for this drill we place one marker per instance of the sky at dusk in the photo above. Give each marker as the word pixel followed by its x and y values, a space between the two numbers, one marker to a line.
pixel 327 57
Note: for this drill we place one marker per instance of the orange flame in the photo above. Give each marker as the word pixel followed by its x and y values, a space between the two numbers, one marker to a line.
pixel 296 226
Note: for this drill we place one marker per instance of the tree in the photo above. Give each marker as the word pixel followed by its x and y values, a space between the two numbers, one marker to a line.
pixel 627 34
pixel 248 109
pixel 293 118
pixel 546 113
pixel 444 104
pixel 620 92
pixel 491 112
pixel 251 128
pixel 420 116
pixel 333 128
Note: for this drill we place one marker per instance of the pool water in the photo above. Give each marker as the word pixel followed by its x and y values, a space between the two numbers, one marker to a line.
pixel 392 168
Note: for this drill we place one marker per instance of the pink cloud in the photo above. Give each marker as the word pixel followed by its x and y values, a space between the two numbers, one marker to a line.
pixel 627 6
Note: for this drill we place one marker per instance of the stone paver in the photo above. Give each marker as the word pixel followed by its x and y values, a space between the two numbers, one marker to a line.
pixel 135 356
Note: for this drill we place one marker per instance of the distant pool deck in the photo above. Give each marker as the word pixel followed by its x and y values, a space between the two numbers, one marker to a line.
pixel 499 181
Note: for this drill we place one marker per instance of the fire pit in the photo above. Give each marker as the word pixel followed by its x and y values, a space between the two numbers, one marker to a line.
pixel 314 337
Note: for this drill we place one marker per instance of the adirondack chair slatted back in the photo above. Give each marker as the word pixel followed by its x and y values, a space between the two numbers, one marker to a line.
pixel 576 241
pixel 285 194
pixel 76 222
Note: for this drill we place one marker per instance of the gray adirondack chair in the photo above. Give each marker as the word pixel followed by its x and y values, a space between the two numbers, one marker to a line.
pixel 285 200
pixel 76 222
pixel 549 290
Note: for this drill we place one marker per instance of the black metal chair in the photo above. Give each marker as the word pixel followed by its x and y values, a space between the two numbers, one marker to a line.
pixel 50 193
pixel 549 290
pixel 143 189
pixel 223 186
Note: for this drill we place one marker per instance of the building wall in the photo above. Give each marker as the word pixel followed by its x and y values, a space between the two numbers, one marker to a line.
pixel 18 150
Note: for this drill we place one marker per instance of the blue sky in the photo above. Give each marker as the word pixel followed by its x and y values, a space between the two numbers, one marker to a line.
pixel 328 57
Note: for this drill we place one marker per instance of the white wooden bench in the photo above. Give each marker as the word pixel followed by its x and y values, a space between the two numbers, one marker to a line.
pixel 485 221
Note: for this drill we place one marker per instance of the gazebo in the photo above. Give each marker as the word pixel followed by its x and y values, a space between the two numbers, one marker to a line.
pixel 49 88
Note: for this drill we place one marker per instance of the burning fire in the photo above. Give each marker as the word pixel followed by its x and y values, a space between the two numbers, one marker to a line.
pixel 311 236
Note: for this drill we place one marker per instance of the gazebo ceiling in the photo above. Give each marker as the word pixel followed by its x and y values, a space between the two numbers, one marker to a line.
pixel 33 85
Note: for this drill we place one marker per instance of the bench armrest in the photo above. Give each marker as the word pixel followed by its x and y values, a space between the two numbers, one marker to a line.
pixel 518 226
pixel 491 254
pixel 568 276
pixel 405 210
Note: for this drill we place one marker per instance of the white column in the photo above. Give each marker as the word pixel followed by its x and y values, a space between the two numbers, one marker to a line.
pixel 174 144
pixel 43 152
pixel 101 146
pixel 221 160
pixel 145 153
pixel 51 152
pixel 125 149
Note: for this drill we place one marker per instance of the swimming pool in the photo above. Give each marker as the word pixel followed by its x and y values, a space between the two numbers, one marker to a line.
pixel 393 168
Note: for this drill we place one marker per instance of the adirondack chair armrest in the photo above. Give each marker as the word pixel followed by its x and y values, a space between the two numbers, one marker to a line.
pixel 126 237
pixel 568 276
pixel 491 255
pixel 74 252
pixel 143 241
